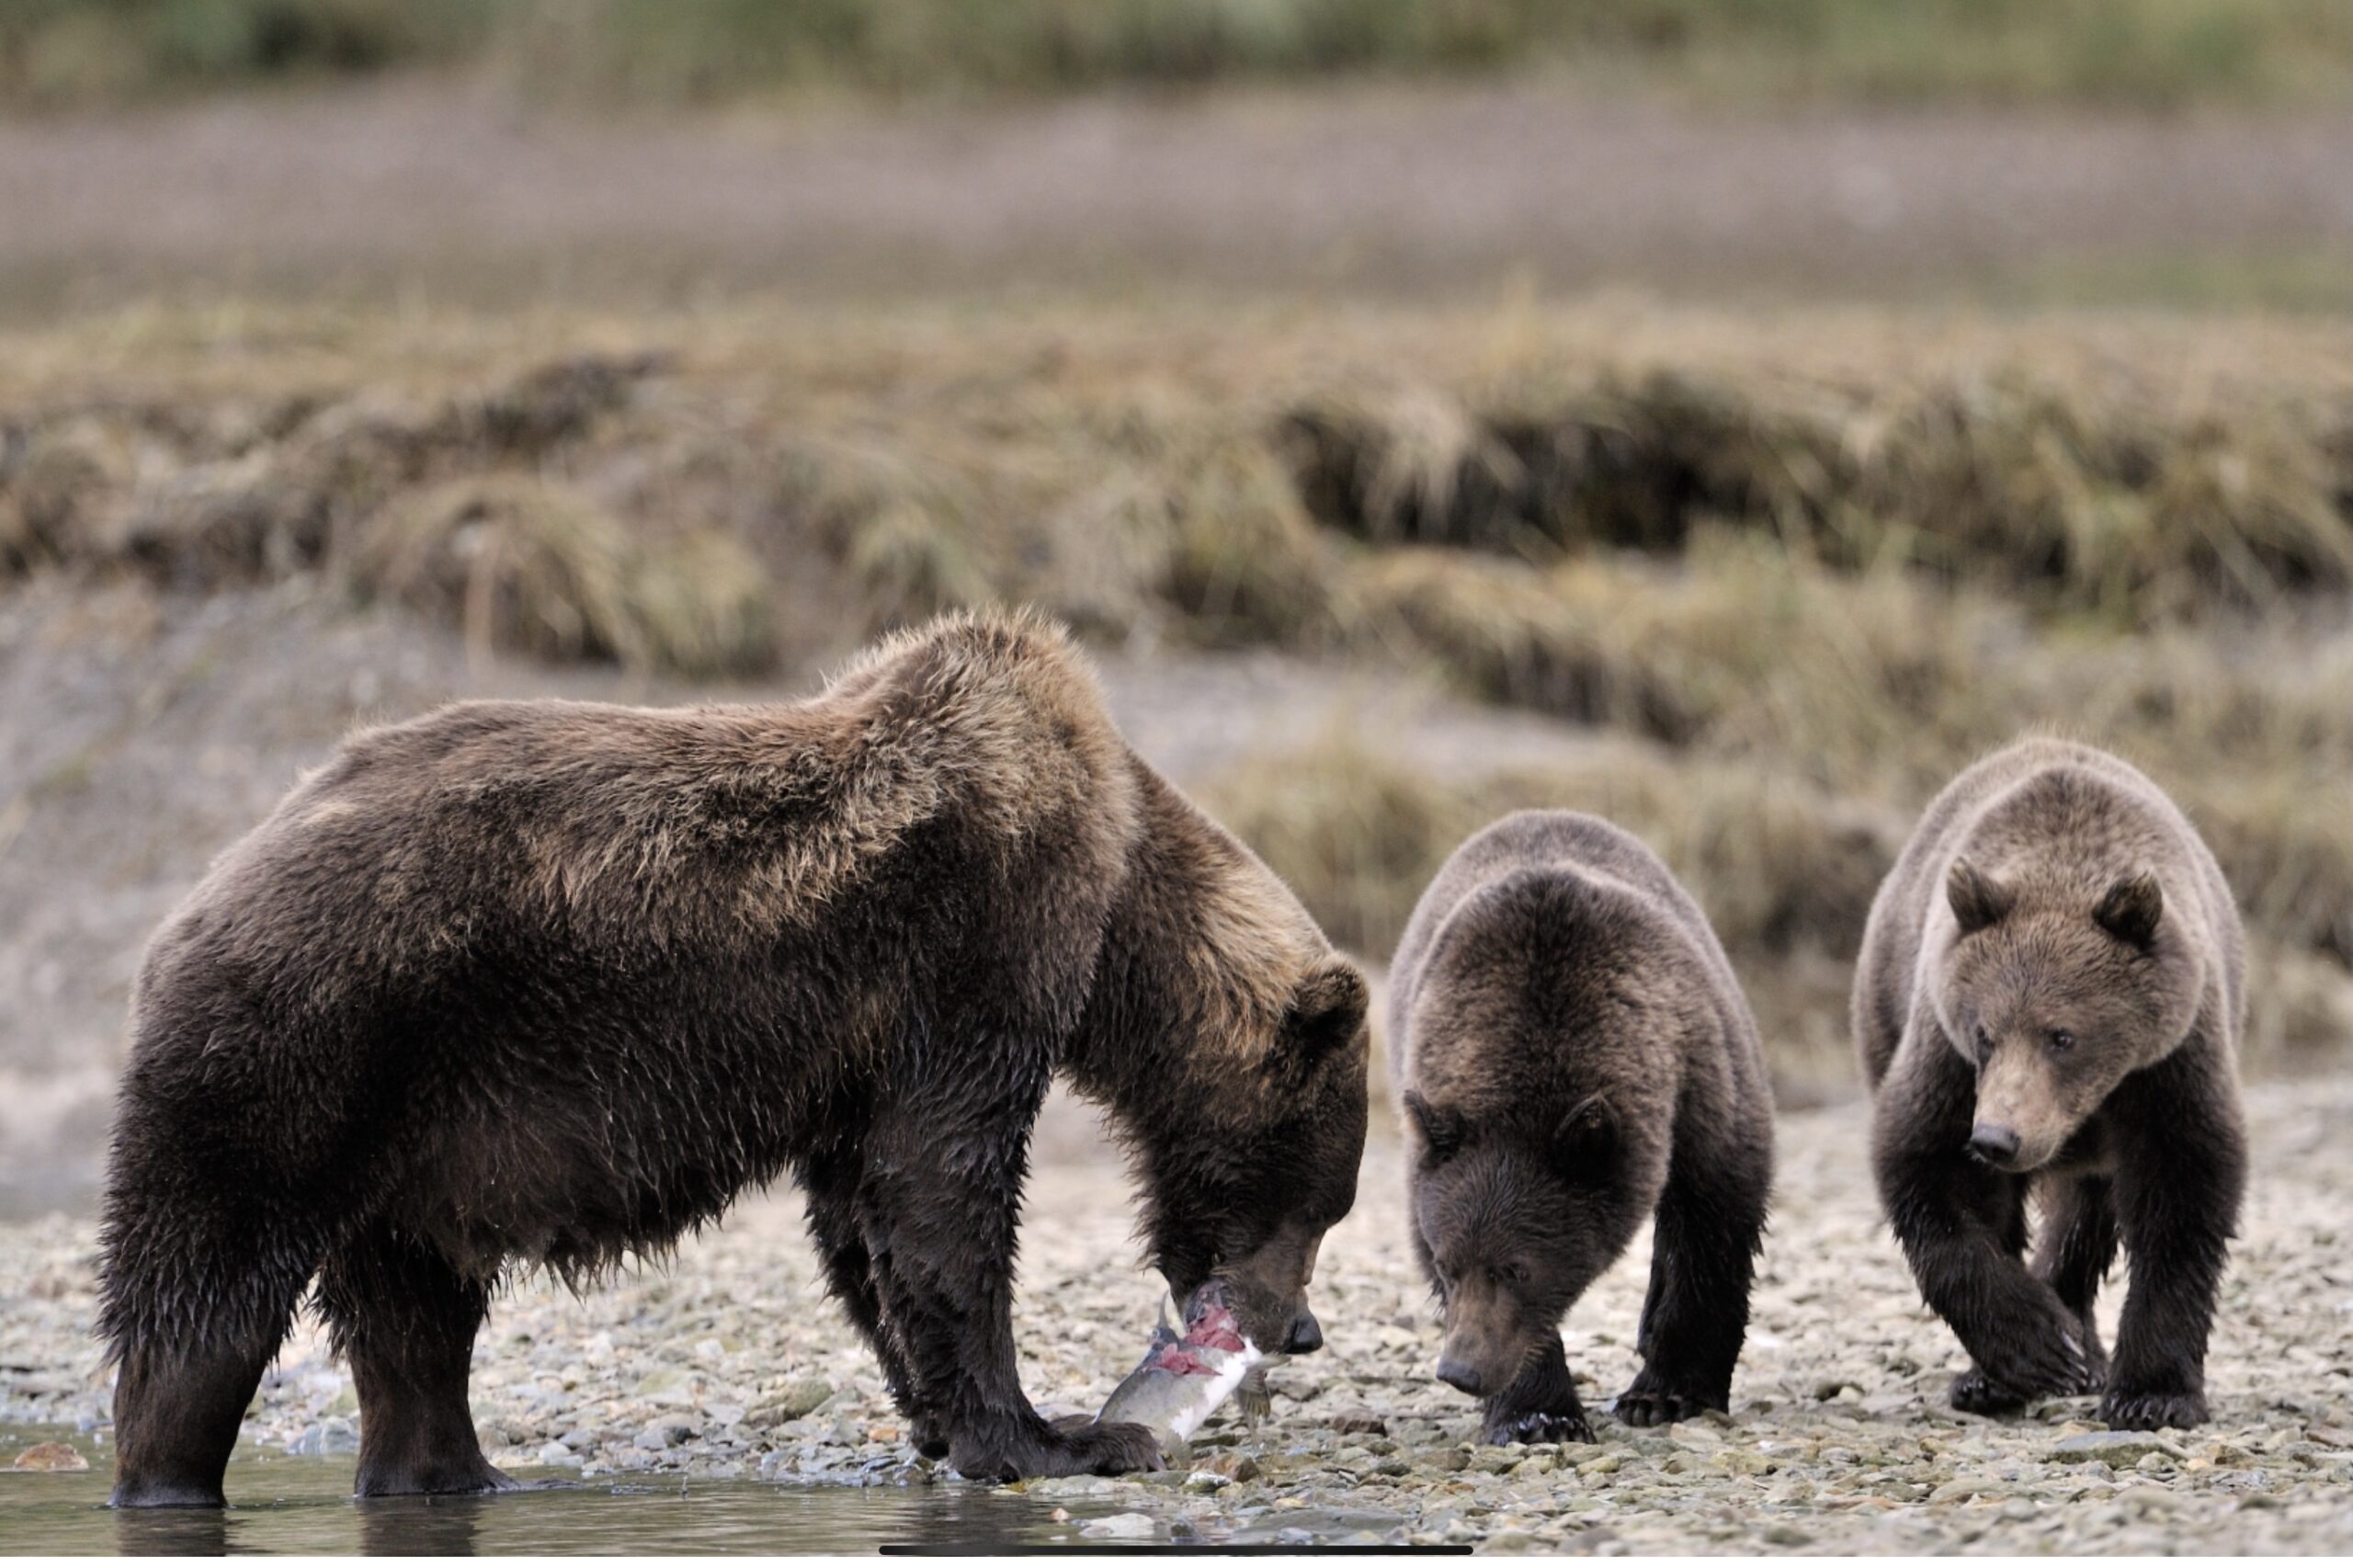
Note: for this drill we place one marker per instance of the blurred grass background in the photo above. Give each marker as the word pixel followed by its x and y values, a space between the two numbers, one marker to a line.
pixel 1738 414
pixel 2141 52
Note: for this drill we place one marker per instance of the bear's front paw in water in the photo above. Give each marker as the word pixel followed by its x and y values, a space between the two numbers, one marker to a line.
pixel 1539 1427
pixel 2127 1411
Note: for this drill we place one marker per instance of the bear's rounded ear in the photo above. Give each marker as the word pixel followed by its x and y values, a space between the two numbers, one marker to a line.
pixel 1326 1015
pixel 2131 908
pixel 1977 899
pixel 1443 1131
pixel 1585 1144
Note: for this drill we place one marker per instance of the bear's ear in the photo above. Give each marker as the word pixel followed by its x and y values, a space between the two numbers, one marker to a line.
pixel 1444 1131
pixel 2130 910
pixel 1977 899
pixel 1327 1016
pixel 1585 1144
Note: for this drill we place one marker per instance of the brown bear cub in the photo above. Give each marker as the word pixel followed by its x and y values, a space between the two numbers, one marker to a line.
pixel 1574 1054
pixel 2048 1006
pixel 548 983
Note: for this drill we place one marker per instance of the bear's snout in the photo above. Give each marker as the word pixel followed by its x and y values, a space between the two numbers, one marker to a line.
pixel 1995 1144
pixel 1457 1373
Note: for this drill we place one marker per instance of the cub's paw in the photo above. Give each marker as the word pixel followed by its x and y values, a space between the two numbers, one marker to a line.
pixel 1978 1395
pixel 1649 1400
pixel 2031 1360
pixel 2125 1411
pixel 1107 1448
pixel 1539 1427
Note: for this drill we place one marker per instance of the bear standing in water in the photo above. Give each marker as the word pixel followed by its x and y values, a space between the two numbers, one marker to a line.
pixel 2048 1004
pixel 548 983
pixel 1574 1055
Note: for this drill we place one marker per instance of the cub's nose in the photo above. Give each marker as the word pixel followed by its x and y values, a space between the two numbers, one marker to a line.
pixel 1996 1145
pixel 1304 1334
pixel 1459 1374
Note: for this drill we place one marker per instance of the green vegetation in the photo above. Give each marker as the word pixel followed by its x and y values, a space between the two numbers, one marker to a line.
pixel 1791 571
pixel 2136 51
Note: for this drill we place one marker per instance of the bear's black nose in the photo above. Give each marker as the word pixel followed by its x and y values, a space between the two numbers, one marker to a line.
pixel 1996 1145
pixel 1460 1375
pixel 1305 1335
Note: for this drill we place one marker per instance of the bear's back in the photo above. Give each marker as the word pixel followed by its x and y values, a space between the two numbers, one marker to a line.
pixel 1587 872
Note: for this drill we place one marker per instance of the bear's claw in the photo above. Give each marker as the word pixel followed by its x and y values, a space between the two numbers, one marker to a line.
pixel 1654 1407
pixel 1540 1427
pixel 2125 1411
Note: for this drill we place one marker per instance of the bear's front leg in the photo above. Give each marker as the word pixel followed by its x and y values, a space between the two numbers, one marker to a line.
pixel 1540 1405
pixel 2181 1175
pixel 939 1207
pixel 1704 1242
pixel 1960 1227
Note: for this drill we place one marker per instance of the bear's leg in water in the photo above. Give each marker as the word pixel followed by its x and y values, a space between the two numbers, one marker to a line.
pixel 200 1283
pixel 1540 1405
pixel 406 1319
pixel 2179 1181
pixel 941 1202
pixel 1703 1261
pixel 831 1181
pixel 2074 1245
pixel 1962 1227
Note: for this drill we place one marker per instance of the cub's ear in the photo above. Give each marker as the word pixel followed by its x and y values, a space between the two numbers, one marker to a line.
pixel 1585 1143
pixel 1327 1016
pixel 2130 910
pixel 1443 1131
pixel 1977 899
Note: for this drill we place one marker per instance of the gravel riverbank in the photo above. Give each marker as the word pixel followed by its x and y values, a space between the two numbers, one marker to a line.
pixel 728 1363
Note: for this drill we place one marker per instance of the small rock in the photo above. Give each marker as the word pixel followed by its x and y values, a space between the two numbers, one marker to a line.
pixel 332 1436
pixel 1120 1527
pixel 2118 1449
pixel 1234 1467
pixel 556 1453
pixel 1207 1481
pixel 52 1457
pixel 1360 1422
pixel 1785 1534
pixel 793 1402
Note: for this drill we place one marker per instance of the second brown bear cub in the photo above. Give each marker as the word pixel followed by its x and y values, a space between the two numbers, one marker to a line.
pixel 1574 1054
pixel 2047 1006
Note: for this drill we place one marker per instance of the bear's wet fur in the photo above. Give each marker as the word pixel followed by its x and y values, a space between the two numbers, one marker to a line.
pixel 2048 1006
pixel 548 984
pixel 1574 1055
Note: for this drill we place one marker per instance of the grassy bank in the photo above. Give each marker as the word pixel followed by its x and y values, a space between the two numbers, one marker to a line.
pixel 1791 572
pixel 2141 53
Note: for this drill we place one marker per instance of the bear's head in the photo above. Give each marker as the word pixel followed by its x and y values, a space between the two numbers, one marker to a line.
pixel 1518 1220
pixel 2054 992
pixel 1246 1195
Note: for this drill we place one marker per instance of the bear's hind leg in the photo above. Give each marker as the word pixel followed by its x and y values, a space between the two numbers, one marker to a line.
pixel 1709 1224
pixel 197 1301
pixel 405 1321
pixel 2076 1244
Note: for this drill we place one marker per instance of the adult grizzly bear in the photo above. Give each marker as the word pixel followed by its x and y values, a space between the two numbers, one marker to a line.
pixel 549 983
pixel 1574 1054
pixel 2048 1005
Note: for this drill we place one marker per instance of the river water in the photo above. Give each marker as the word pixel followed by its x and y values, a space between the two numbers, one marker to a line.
pixel 285 1504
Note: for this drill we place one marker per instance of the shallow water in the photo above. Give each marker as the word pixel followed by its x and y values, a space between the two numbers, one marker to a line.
pixel 281 1504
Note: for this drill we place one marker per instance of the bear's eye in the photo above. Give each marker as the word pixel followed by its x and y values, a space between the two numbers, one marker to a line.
pixel 1984 1042
pixel 2062 1042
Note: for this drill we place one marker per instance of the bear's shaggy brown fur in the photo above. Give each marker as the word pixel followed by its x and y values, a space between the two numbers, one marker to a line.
pixel 1574 1054
pixel 549 983
pixel 2047 1006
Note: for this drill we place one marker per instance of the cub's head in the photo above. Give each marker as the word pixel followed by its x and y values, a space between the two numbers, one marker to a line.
pixel 2054 996
pixel 1516 1222
pixel 1248 1197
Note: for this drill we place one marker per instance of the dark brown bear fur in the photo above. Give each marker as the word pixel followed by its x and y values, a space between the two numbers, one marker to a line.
pixel 2047 1006
pixel 548 984
pixel 1573 1055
